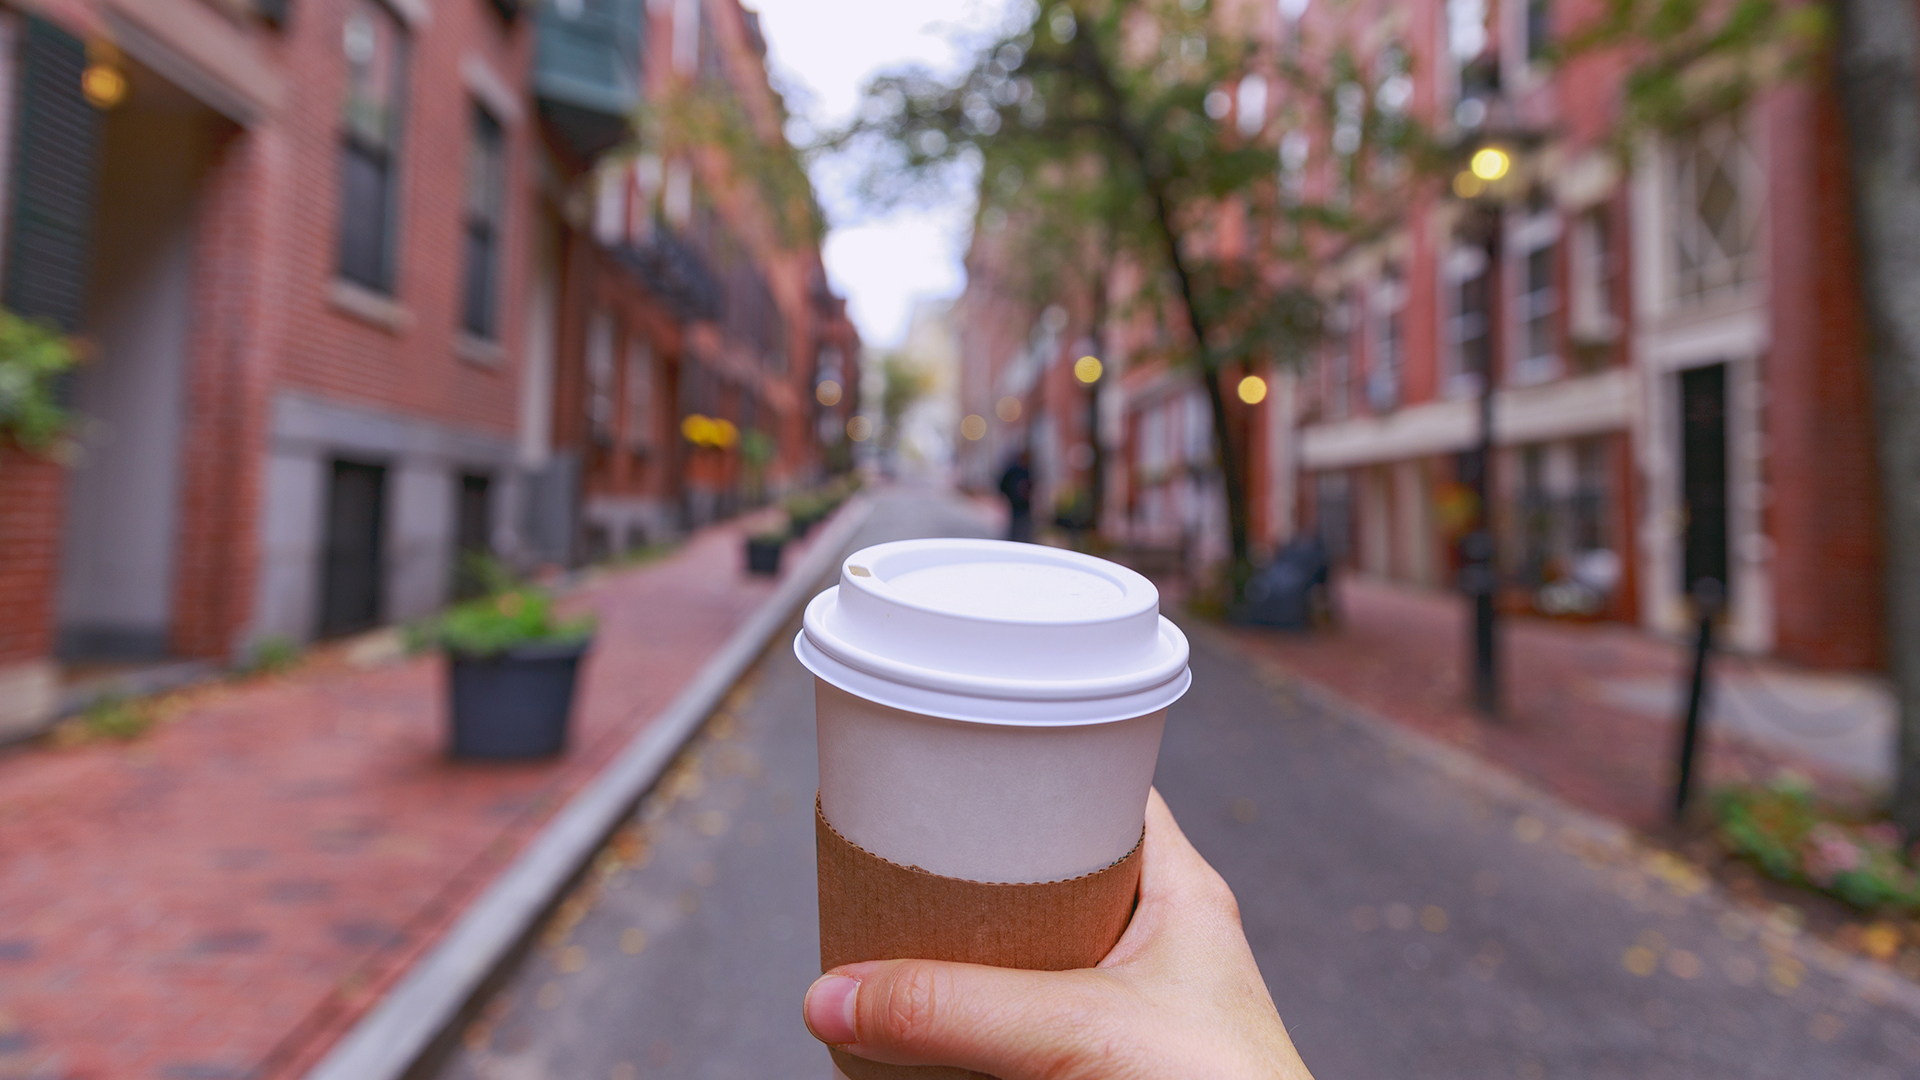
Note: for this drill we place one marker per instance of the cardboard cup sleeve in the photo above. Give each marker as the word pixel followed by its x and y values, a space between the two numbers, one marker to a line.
pixel 875 909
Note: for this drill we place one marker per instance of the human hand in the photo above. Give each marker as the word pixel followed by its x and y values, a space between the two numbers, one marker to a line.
pixel 1179 996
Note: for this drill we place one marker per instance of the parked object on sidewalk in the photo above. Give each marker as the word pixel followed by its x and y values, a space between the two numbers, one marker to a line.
pixel 1287 593
pixel 512 667
pixel 763 553
pixel 515 704
pixel 1707 598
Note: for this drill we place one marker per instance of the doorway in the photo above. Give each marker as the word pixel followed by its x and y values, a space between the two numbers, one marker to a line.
pixel 473 539
pixel 1703 472
pixel 350 591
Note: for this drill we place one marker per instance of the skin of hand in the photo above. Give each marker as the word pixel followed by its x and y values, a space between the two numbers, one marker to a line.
pixel 1179 996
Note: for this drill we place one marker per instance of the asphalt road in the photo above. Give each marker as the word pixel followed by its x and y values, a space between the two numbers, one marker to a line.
pixel 1412 920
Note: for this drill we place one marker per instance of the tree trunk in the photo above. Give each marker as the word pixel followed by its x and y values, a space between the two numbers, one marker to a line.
pixel 1231 478
pixel 1879 83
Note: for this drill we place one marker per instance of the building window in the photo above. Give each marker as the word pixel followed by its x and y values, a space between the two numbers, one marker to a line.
pixel 1539 30
pixel 1389 340
pixel 1534 245
pixel 1712 203
pixel 1474 50
pixel 1295 149
pixel 1392 96
pixel 1590 286
pixel 600 373
pixel 639 394
pixel 1469 329
pixel 1589 511
pixel 1535 519
pixel 375 51
pixel 1339 358
pixel 1198 429
pixel 486 201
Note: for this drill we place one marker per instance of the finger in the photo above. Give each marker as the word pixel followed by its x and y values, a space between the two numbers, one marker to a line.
pixel 998 1021
pixel 1180 893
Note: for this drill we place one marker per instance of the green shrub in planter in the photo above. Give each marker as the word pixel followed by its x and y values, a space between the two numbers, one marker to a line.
pixel 512 667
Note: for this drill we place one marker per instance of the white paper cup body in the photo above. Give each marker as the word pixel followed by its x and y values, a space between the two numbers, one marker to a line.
pixel 989 710
pixel 982 801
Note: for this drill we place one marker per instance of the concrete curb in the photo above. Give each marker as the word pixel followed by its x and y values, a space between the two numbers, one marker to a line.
pixel 412 1017
pixel 1864 977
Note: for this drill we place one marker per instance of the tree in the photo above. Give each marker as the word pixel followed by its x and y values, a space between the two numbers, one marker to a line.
pixel 1878 63
pixel 1103 125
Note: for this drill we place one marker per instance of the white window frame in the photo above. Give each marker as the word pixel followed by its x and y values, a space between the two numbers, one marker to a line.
pixel 1460 263
pixel 1529 235
pixel 1386 367
pixel 1737 275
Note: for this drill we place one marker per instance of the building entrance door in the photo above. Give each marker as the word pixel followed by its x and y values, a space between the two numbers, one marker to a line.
pixel 1703 470
pixel 350 580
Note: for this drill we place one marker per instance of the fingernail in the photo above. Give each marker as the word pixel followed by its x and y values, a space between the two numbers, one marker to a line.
pixel 829 1008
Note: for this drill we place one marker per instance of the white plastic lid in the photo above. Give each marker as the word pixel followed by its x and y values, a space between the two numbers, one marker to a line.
pixel 995 632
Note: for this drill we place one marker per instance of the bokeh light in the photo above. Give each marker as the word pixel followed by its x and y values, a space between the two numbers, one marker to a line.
pixel 1253 389
pixel 859 429
pixel 827 393
pixel 974 427
pixel 1087 369
pixel 1007 409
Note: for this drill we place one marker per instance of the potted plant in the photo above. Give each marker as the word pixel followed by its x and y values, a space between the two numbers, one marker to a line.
pixel 511 669
pixel 804 511
pixel 763 552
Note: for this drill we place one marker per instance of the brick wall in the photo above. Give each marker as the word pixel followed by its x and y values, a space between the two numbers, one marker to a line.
pixel 30 504
pixel 1822 476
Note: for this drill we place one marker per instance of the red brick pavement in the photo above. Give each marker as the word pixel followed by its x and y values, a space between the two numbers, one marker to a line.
pixel 227 894
pixel 1401 653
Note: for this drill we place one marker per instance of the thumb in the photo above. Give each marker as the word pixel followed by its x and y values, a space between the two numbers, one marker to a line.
pixel 1007 1023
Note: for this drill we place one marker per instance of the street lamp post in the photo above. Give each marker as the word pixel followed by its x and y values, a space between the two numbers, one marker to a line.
pixel 1479 573
pixel 1088 369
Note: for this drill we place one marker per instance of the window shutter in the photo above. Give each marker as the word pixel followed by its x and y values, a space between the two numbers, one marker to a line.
pixel 56 153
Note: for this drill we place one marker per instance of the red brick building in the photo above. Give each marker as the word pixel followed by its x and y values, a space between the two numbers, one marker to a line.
pixel 1674 347
pixel 351 310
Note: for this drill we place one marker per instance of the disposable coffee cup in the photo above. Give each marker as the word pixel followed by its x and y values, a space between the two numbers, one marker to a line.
pixel 989 715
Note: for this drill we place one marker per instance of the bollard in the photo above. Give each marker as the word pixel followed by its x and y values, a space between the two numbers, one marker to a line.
pixel 1708 594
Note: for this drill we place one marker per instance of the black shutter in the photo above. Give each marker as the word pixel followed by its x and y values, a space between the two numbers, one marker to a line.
pixel 55 163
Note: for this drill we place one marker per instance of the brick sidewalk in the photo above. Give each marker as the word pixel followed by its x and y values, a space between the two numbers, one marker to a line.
pixel 224 896
pixel 1401 653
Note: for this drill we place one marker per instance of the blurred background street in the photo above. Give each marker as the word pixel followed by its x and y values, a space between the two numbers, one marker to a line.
pixel 422 420
pixel 1409 922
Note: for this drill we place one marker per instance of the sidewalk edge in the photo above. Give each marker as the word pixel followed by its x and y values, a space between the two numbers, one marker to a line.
pixel 1496 783
pixel 411 1017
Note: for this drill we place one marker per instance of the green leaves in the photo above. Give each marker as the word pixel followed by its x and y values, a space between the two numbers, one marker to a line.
pixel 32 357
pixel 494 624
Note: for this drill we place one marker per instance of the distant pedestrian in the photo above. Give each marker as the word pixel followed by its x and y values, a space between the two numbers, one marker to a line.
pixel 1017 485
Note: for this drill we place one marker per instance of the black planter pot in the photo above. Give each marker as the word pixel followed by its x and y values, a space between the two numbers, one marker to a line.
pixel 514 705
pixel 763 556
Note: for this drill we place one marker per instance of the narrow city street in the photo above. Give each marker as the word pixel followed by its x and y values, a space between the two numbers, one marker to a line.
pixel 1412 921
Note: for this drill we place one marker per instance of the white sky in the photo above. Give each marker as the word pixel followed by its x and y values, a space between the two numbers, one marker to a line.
pixel 821 52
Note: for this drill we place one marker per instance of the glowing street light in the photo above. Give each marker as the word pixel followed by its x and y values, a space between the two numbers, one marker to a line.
pixel 1253 389
pixel 1087 369
pixel 1490 163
